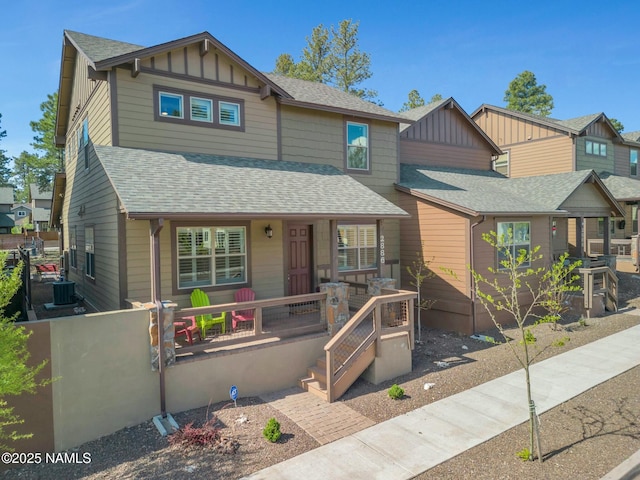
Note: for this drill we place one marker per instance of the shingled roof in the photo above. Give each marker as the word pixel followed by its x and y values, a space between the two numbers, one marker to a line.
pixel 154 184
pixel 480 192
pixel 622 188
pixel 97 48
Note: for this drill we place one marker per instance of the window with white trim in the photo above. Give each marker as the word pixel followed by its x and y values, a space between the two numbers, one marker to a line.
pixel 501 164
pixel 73 248
pixel 210 256
pixel 89 253
pixel 513 237
pixel 633 163
pixel 357 247
pixel 197 108
pixel 596 148
pixel 357 146
pixel 21 213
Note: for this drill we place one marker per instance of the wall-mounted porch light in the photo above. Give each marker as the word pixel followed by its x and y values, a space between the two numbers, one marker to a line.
pixel 268 231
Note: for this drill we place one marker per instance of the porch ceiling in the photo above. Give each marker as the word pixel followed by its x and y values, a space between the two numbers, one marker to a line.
pixel 154 184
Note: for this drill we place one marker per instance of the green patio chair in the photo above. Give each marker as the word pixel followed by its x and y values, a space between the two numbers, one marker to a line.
pixel 201 299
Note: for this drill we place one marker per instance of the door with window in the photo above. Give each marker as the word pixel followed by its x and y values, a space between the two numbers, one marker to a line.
pixel 298 243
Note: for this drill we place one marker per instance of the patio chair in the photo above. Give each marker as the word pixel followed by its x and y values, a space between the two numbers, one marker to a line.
pixel 188 327
pixel 239 316
pixel 201 299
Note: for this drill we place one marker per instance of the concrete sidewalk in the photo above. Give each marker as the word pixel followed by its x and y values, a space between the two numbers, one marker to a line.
pixel 413 443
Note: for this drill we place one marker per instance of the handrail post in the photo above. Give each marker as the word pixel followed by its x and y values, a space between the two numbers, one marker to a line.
pixel 377 325
pixel 257 321
pixel 329 362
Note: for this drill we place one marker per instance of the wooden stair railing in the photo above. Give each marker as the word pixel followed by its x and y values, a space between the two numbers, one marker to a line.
pixel 353 348
pixel 600 280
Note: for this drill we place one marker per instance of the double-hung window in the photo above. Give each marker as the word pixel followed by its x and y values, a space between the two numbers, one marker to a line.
pixel 513 237
pixel 83 142
pixel 357 247
pixel 501 164
pixel 211 256
pixel 633 163
pixel 197 108
pixel 358 146
pixel 89 253
pixel 612 226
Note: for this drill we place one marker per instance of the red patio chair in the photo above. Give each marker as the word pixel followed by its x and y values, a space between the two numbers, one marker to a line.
pixel 188 327
pixel 243 295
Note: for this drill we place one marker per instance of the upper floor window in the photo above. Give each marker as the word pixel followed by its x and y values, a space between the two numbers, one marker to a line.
pixel 83 142
pixel 513 238
pixel 633 163
pixel 181 106
pixel 357 146
pixel 501 164
pixel 596 148
pixel 21 213
pixel 357 247
pixel 210 256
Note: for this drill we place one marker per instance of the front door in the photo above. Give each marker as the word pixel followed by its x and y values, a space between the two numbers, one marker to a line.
pixel 299 256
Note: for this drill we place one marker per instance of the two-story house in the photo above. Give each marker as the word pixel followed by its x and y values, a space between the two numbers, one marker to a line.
pixel 454 196
pixel 228 176
pixel 534 145
pixel 40 202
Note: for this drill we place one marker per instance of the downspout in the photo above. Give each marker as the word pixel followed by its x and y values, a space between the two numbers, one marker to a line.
pixel 155 227
pixel 473 268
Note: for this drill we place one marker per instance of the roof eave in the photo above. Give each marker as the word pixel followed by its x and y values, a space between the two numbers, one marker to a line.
pixel 255 216
pixel 344 111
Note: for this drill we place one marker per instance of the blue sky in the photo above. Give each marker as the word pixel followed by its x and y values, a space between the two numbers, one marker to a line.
pixel 586 53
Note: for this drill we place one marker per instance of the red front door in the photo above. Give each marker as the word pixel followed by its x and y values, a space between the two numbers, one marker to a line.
pixel 299 254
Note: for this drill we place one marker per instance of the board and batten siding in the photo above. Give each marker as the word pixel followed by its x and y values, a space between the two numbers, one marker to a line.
pixel 505 129
pixel 553 155
pixel 445 125
pixel 444 155
pixel 137 127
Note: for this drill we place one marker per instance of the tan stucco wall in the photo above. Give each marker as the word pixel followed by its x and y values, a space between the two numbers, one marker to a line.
pixel 254 371
pixel 105 379
pixel 393 360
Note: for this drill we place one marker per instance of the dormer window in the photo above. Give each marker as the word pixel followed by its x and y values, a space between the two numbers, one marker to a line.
pixel 197 109
pixel 596 148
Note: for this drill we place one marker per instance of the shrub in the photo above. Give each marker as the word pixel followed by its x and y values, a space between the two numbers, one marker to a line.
pixel 207 435
pixel 396 392
pixel 272 430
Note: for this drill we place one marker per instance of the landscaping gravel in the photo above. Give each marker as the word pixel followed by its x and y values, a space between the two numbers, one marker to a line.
pixel 583 438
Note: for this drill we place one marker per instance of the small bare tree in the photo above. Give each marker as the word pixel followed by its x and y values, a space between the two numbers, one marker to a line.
pixel 419 272
pixel 546 289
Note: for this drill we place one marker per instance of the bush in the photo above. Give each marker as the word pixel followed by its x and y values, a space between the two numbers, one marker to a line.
pixel 272 431
pixel 396 392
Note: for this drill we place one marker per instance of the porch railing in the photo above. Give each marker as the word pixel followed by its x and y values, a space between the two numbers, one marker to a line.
pixel 617 246
pixel 275 317
pixel 357 343
pixel 600 280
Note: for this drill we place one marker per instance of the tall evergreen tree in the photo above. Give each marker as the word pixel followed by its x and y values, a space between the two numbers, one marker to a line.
pixel 50 158
pixel 414 101
pixel 23 174
pixel 435 98
pixel 525 95
pixel 5 170
pixel 617 124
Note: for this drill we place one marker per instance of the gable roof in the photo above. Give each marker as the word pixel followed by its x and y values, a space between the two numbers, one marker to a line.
pixel 318 95
pixel 7 220
pixel 484 192
pixel 418 113
pixel 153 184
pixel 573 126
pixel 632 136
pixel 36 194
pixel 622 188
pixel 97 49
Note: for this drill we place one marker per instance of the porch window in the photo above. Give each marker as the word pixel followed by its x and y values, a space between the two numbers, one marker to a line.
pixel 210 256
pixel 89 255
pixel 612 226
pixel 596 148
pixel 73 248
pixel 357 146
pixel 357 247
pixel 512 238
pixel 633 163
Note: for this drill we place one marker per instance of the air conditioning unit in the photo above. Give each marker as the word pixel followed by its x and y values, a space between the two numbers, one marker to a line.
pixel 63 292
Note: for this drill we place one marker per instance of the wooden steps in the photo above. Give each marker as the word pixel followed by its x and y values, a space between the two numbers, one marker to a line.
pixel 316 380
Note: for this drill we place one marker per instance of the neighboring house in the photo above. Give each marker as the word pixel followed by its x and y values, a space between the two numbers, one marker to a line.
pixel 231 177
pixel 454 197
pixel 22 214
pixel 6 204
pixel 535 145
pixel 40 208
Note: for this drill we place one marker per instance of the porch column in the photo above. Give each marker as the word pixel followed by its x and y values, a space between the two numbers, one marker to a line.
pixel 155 226
pixel 606 238
pixel 333 233
pixel 579 236
pixel 381 258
